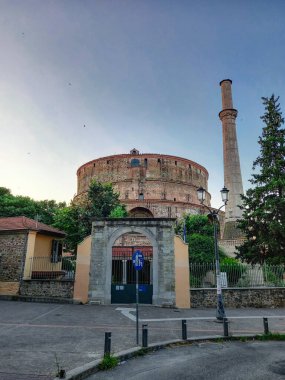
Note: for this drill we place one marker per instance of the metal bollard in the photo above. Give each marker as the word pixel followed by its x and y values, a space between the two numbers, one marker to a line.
pixel 265 324
pixel 107 347
pixel 144 336
pixel 226 326
pixel 184 329
pixel 62 374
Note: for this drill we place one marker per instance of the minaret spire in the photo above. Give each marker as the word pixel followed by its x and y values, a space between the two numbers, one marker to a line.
pixel 232 172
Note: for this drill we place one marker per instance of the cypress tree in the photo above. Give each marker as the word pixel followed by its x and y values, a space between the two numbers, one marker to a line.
pixel 263 222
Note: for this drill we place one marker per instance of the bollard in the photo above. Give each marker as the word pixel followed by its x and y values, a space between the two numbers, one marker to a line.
pixel 226 326
pixel 107 347
pixel 62 374
pixel 265 324
pixel 144 336
pixel 184 329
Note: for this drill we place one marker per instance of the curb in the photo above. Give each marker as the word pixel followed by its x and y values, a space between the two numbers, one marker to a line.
pixel 38 299
pixel 88 369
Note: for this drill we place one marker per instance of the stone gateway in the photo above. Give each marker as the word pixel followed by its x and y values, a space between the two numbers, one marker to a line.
pixel 166 269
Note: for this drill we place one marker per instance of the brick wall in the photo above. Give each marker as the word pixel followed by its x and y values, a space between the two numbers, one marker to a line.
pixel 168 183
pixel 12 254
pixel 237 298
pixel 129 240
pixel 47 288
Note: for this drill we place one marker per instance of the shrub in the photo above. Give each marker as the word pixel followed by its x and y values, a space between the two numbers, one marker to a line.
pixel 108 362
pixel 234 269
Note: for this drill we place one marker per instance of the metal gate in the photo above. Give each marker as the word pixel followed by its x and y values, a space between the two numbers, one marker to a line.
pixel 123 288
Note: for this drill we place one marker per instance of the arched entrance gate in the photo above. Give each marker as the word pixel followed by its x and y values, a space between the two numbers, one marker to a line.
pixel 161 263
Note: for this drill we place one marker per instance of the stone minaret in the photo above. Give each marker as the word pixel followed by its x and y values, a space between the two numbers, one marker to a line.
pixel 232 172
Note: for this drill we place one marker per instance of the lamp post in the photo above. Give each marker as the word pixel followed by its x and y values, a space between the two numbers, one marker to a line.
pixel 220 313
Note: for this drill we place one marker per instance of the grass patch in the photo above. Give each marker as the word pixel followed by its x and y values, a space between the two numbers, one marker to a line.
pixel 109 361
pixel 141 352
pixel 271 336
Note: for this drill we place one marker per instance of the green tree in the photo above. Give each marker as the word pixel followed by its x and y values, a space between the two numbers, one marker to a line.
pixel 4 191
pixel 46 210
pixel 102 199
pixel 71 219
pixel 119 212
pixel 198 224
pixel 11 205
pixel 263 219
pixel 201 248
pixel 200 237
pixel 76 220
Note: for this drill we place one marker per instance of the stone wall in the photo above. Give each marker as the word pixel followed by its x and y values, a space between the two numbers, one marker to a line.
pixel 47 288
pixel 12 254
pixel 239 297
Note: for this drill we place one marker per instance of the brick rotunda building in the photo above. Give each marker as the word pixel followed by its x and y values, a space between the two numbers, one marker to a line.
pixel 150 185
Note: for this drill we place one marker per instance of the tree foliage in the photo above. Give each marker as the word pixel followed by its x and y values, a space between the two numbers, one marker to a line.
pixel 71 220
pixel 18 205
pixel 200 237
pixel 263 220
pixel 102 199
pixel 76 220
pixel 119 212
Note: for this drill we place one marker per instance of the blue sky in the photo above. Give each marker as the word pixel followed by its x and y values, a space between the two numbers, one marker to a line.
pixel 136 73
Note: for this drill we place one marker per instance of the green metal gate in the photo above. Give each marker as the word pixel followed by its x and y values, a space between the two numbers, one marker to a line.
pixel 123 288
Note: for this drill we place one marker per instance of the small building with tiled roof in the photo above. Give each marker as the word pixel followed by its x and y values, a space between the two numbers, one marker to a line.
pixel 28 248
pixel 22 223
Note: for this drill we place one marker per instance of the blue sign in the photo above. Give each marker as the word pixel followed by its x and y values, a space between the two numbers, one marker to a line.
pixel 142 288
pixel 138 260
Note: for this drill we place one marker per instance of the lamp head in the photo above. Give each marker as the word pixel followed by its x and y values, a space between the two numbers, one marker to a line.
pixel 225 195
pixel 201 192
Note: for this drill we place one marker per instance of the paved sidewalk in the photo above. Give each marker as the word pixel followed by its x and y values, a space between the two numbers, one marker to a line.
pixel 36 335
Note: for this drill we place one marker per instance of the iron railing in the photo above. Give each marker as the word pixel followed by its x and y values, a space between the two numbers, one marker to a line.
pixel 42 268
pixel 237 275
pixel 123 271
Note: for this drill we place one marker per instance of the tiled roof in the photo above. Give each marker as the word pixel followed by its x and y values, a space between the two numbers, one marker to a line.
pixel 19 223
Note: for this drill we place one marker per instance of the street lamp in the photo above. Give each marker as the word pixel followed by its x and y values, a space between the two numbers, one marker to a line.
pixel 220 313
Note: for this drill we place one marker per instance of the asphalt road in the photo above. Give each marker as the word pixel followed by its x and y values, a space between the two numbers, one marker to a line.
pixel 205 361
pixel 33 335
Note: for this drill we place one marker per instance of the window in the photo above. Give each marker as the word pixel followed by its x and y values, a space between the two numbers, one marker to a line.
pixel 175 162
pixel 141 196
pixel 145 162
pixel 135 162
pixel 56 251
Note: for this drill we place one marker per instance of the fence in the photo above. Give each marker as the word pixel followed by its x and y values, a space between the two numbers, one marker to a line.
pixel 237 275
pixel 42 268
